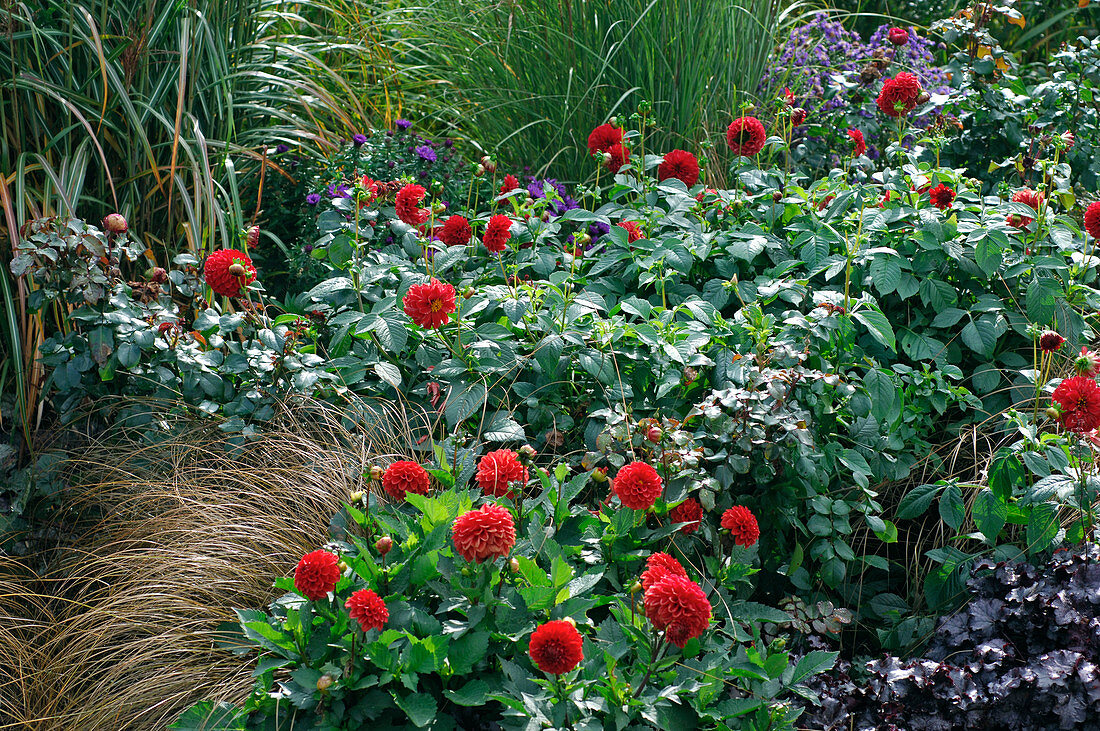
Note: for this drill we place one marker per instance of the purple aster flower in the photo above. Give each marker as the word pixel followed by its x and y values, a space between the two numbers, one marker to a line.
pixel 307 248
pixel 313 199
pixel 449 143
pixel 597 229
pixel 391 164
pixel 281 149
pixel 359 140
pixel 403 124
pixel 426 153
pixel 423 173
pixel 338 191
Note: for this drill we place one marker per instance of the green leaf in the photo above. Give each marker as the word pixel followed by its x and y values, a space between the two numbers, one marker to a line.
pixel 937 295
pixel 1042 527
pixel 980 336
pixel 467 400
pixel 884 394
pixel 467 651
pixel 208 716
pixel 419 707
pixel 989 515
pixel 917 500
pixel 474 693
pixel 501 427
pixel 389 373
pixel 878 325
pixel 813 663
pixel 952 509
pixel 987 254
pixel 886 273
pixel 1040 302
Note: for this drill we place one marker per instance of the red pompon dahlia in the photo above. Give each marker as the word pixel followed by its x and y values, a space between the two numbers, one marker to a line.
pixel 1028 197
pixel 678 606
pixel 746 136
pixel 228 271
pixel 679 164
pixel 497 470
pixel 486 533
pixel 899 95
pixel 942 196
pixel 455 231
pixel 1078 400
pixel 742 525
pixel 1049 341
pixel 620 155
pixel 1087 363
pixel 430 305
pixel 556 647
pixel 658 566
pixel 404 476
pixel 860 145
pixel 317 574
pixel 603 138
pixel 407 205
pixel 368 609
pixel 898 36
pixel 510 183
pixel 497 233
pixel 690 512
pixel 637 486
pixel 633 231
pixel 1092 219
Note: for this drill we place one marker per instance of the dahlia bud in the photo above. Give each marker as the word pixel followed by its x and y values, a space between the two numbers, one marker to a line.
pixel 376 472
pixel 357 495
pixel 1067 139
pixel 526 454
pixel 115 223
pixel 324 683
pixel 599 475
pixel 614 121
pixel 466 571
pixel 253 236
pixel 513 566
pixel 635 587
pixel 528 201
pixel 777 196
pixel 545 217
pixel 571 621
pixel 1052 412
pixel 653 434
pixel 1050 341
pixel 468 293
pixel 606 158
pixel 798 116
pixel 898 36
pixel 924 97
pixel 488 164
pixel 480 170
pixel 439 207
pixel 383 545
pixel 582 239
pixel 342 565
pixel 236 269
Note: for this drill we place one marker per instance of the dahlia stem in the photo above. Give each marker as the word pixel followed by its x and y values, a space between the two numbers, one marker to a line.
pixel 657 646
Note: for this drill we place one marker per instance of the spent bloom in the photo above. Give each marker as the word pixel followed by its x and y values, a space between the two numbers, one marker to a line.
pixel 637 485
pixel 405 476
pixel 555 647
pixel 368 609
pixel 430 305
pixel 1050 341
pixel 486 533
pixel 316 574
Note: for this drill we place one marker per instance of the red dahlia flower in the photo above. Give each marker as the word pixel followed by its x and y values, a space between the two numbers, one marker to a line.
pixel 368 608
pixel 690 512
pixel 942 196
pixel 228 271
pixel 858 141
pixel 898 36
pixel 679 164
pixel 316 574
pixel 798 116
pixel 603 138
pixel 407 205
pixel 746 136
pixel 430 305
pixel 658 566
pixel 1092 219
pixel 1050 341
pixel 486 533
pixel 455 231
pixel 404 476
pixel 1087 363
pixel 1078 399
pixel 497 233
pixel 620 155
pixel 637 485
pixel 633 231
pixel 899 95
pixel 370 187
pixel 1028 197
pixel 497 470
pixel 678 606
pixel 556 647
pixel 510 183
pixel 742 525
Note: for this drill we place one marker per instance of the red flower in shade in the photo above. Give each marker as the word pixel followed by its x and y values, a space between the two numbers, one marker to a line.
pixel 679 164
pixel 942 196
pixel 455 231
pixel 1087 363
pixel 404 476
pixel 485 533
pixel 1050 341
pixel 899 95
pixel 497 233
pixel 858 141
pixel 620 155
pixel 430 305
pixel 223 281
pixel 633 231
pixel 603 138
pixel 1092 219
pixel 898 36
pixel 407 205
pixel 1028 197
pixel 1078 399
pixel 497 470
pixel 690 512
pixel 317 574
pixel 658 566
pixel 368 608
pixel 798 116
pixel 678 606
pixel 637 485
pixel 746 136
pixel 556 647
pixel 742 525
pixel 510 183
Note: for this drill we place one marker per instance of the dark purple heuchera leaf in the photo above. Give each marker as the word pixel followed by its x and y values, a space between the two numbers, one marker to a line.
pixel 1023 655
